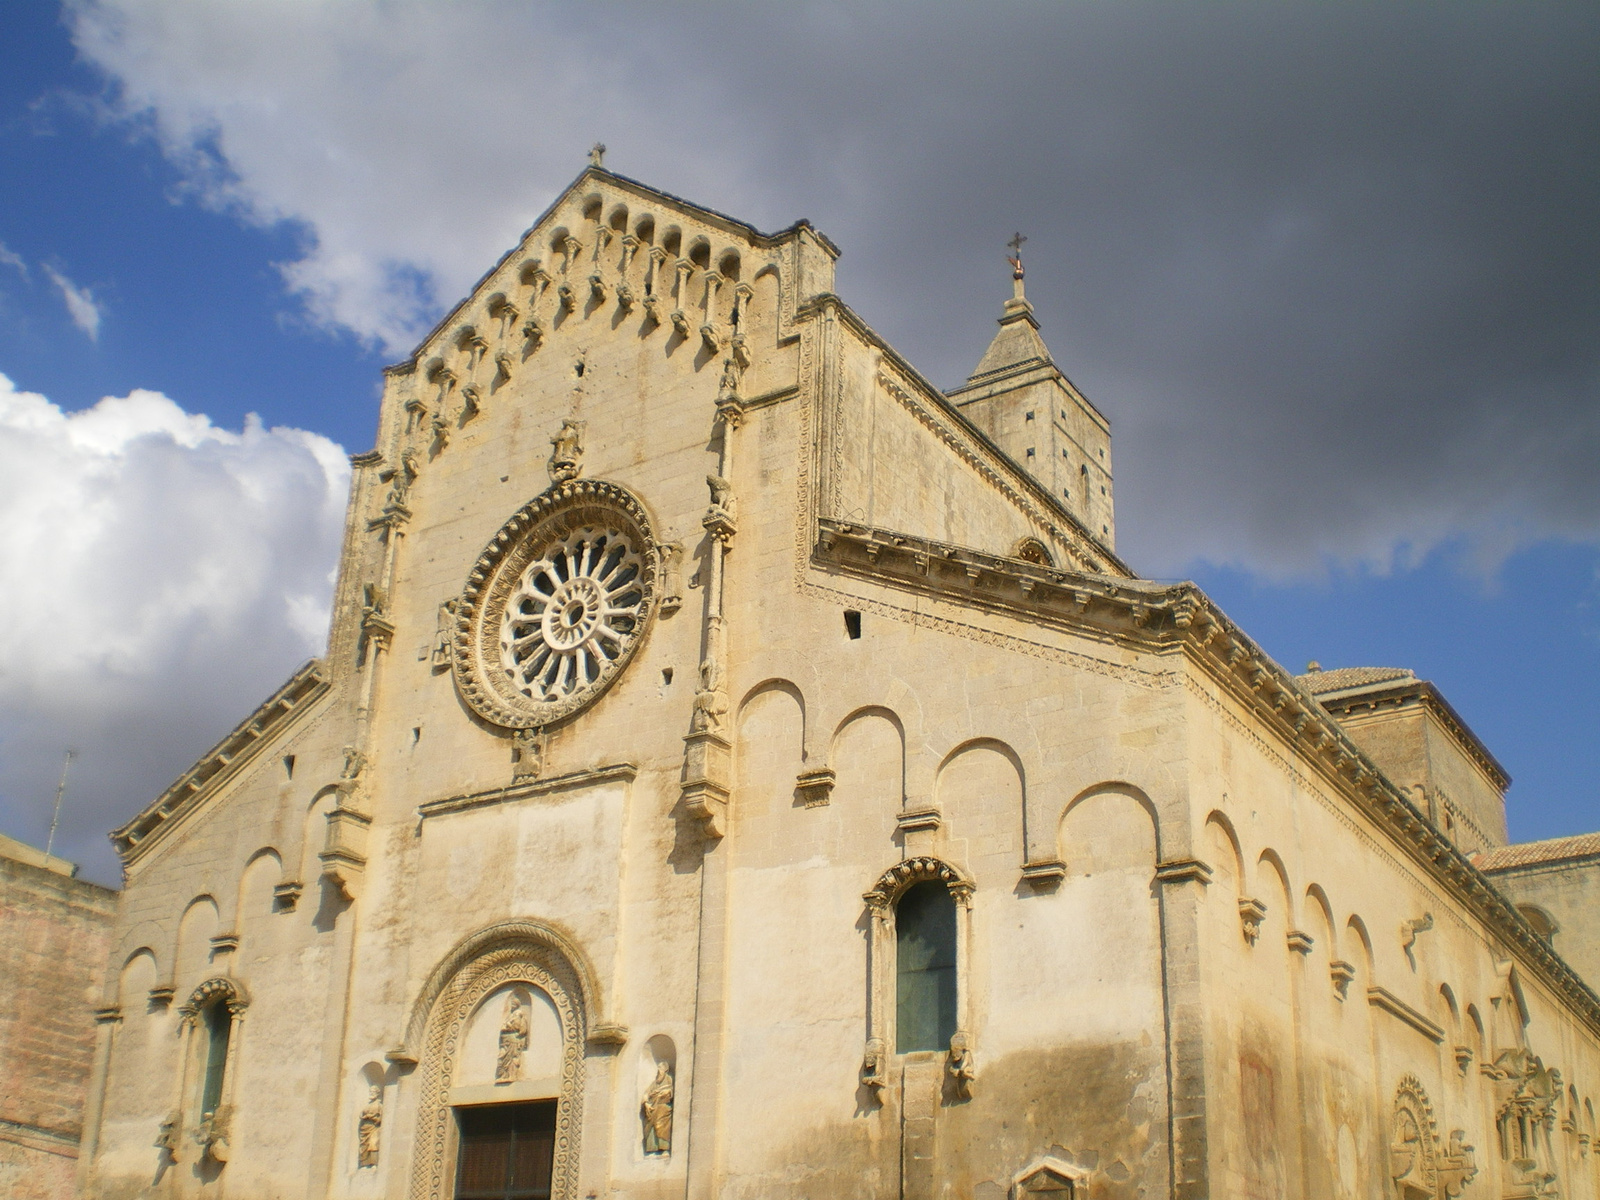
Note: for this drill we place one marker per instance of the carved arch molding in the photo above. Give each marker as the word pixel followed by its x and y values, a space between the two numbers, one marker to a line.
pixel 521 955
pixel 1420 1164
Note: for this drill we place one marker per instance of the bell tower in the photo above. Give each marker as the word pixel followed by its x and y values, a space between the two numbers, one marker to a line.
pixel 1031 411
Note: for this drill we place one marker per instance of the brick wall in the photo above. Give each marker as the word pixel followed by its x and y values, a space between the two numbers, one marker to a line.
pixel 54 937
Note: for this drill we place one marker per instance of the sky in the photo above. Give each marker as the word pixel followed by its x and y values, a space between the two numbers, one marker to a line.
pixel 1332 271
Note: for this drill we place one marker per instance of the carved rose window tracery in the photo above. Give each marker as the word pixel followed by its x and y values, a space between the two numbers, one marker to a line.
pixel 574 612
pixel 556 604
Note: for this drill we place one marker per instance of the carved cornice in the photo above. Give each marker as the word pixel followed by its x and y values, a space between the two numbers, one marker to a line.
pixel 224 761
pixel 528 789
pixel 1181 619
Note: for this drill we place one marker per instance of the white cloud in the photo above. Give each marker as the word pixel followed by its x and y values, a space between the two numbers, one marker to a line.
pixel 162 576
pixel 10 258
pixel 80 302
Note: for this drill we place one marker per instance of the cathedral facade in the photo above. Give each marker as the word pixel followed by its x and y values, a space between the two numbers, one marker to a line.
pixel 739 769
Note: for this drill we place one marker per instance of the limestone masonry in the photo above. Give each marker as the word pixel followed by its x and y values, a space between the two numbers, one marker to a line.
pixel 740 770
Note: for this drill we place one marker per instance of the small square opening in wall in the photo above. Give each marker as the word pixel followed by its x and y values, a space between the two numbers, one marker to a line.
pixel 1030 451
pixel 1028 417
pixel 852 624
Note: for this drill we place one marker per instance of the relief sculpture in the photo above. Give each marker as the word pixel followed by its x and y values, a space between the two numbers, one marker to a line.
pixel 513 1041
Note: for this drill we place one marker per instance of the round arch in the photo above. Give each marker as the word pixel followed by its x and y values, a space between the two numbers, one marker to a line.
pixel 526 952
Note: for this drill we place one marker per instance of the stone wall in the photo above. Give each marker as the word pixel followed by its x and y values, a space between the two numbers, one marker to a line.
pixel 54 934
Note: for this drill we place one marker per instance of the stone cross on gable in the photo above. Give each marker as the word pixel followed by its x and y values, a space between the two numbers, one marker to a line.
pixel 597 154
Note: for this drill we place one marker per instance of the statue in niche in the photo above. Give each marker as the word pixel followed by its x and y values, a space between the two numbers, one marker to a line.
pixel 958 1066
pixel 443 631
pixel 513 1041
pixel 566 459
pixel 710 702
pixel 367 1130
pixel 656 1109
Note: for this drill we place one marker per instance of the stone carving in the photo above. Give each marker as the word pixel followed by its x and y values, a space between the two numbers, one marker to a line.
pixel 354 763
pixel 711 701
pixel 471 401
pixel 400 478
pixel 1251 914
pixel 916 870
pixel 721 519
pixel 441 430
pixel 1409 929
pixel 1527 1096
pixel 443 634
pixel 527 754
pixel 1341 973
pixel 167 1137
pixel 1418 1164
pixel 513 1041
pixel 369 1127
pixel 671 576
pixel 656 1111
pixel 212 1134
pixel 813 788
pixel 1044 1181
pixel 566 459
pixel 1463 1055
pixel 597 154
pixel 872 1067
pixel 503 365
pixel 958 1066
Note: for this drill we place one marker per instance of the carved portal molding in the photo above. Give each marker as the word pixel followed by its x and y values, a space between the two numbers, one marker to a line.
pixel 218 988
pixel 556 604
pixel 506 958
pixel 911 871
pixel 1420 1164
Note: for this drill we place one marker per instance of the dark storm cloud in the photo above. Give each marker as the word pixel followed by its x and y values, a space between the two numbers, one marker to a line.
pixel 1333 272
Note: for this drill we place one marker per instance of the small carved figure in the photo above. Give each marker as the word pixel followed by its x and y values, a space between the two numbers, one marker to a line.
pixel 721 495
pixel 710 702
pixel 527 754
pixel 167 1136
pixel 729 385
pixel 656 1110
pixel 566 460
pixel 513 1041
pixel 369 1127
pixel 671 576
pixel 354 762
pixel 443 632
pixel 441 430
pixel 212 1134
pixel 958 1066
pixel 503 364
pixel 872 1075
pixel 400 478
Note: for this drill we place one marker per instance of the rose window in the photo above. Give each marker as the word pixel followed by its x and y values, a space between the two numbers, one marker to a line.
pixel 556 605
pixel 574 611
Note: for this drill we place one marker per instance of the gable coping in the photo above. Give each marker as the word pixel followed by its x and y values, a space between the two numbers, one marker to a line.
pixel 223 761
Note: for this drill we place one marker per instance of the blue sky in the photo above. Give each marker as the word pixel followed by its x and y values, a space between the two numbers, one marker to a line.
pixel 1347 345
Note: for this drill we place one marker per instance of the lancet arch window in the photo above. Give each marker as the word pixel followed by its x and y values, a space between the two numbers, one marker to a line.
pixel 919 972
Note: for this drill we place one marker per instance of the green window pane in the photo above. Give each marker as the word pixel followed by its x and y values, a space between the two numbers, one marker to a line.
pixel 925 968
pixel 218 1027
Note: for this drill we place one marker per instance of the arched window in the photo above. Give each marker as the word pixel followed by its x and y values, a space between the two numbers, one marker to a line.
pixel 218 1024
pixel 925 968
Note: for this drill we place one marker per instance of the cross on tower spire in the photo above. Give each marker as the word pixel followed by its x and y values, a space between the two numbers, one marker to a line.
pixel 1015 257
pixel 597 154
